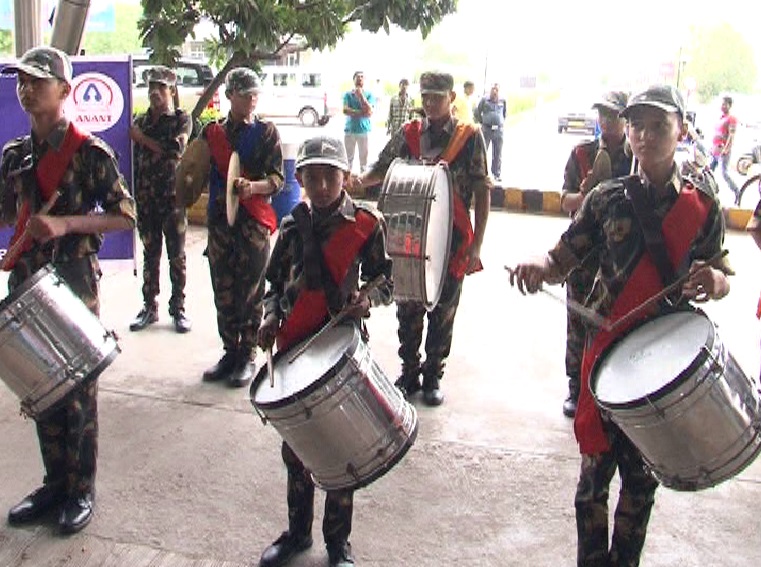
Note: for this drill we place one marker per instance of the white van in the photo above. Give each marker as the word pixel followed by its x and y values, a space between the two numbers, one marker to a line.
pixel 297 93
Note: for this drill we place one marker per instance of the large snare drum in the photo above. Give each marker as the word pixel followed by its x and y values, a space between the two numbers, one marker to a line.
pixel 337 410
pixel 49 342
pixel 682 399
pixel 417 202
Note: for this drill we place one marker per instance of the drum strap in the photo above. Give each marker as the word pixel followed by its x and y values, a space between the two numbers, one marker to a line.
pixel 651 228
pixel 258 206
pixel 681 226
pixel 48 174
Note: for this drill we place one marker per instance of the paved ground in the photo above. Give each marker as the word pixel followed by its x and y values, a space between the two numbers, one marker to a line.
pixel 188 476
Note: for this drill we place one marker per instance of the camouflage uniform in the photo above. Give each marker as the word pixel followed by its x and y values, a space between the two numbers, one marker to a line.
pixel 606 220
pixel 579 282
pixel 470 176
pixel 287 278
pixel 238 254
pixel 68 434
pixel 158 215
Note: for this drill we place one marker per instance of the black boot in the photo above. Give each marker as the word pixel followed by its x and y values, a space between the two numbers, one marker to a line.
pixel 570 403
pixel 148 315
pixel 242 373
pixel 76 514
pixel 432 373
pixel 409 381
pixel 181 323
pixel 284 548
pixel 222 369
pixel 340 555
pixel 37 504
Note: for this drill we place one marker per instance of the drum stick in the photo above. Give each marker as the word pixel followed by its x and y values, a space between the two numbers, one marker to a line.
pixel 13 253
pixel 334 321
pixel 270 367
pixel 664 292
pixel 586 313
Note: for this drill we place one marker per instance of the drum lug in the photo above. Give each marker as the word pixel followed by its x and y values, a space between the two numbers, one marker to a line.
pixel 352 471
pixel 716 368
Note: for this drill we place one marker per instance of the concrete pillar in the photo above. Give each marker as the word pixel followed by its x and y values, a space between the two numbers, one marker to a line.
pixel 69 25
pixel 28 24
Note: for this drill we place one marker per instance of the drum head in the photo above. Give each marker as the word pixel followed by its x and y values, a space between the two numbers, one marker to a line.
pixel 314 366
pixel 651 357
pixel 438 235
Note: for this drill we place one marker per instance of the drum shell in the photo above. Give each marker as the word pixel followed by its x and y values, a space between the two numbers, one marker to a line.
pixel 49 342
pixel 418 214
pixel 349 427
pixel 701 428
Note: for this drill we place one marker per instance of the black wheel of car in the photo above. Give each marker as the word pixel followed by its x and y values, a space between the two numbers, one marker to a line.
pixel 324 120
pixel 750 193
pixel 308 117
pixel 560 129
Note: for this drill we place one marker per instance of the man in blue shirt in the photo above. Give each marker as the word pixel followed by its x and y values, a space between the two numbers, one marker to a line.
pixel 358 108
pixel 490 114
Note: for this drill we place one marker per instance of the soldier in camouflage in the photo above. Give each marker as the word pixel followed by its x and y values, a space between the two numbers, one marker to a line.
pixel 160 135
pixel 78 174
pixel 238 254
pixel 589 164
pixel 430 141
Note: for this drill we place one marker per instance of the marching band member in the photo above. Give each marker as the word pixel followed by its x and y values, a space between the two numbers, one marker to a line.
pixel 323 250
pixel 68 174
pixel 439 137
pixel 590 163
pixel 160 135
pixel 635 265
pixel 238 254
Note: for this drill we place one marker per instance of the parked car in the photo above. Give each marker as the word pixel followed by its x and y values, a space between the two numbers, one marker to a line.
pixel 297 93
pixel 578 121
pixel 193 76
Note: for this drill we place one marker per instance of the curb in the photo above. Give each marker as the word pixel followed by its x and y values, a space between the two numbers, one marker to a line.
pixel 512 199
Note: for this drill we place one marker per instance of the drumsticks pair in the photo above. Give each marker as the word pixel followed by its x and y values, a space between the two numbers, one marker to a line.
pixel 605 324
pixel 14 252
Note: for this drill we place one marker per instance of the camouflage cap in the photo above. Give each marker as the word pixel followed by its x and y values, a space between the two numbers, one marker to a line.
pixel 433 82
pixel 162 75
pixel 613 100
pixel 322 150
pixel 242 80
pixel 664 97
pixel 43 63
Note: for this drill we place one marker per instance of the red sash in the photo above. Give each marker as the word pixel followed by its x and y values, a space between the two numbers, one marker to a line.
pixel 311 308
pixel 680 227
pixel 48 175
pixel 458 262
pixel 258 206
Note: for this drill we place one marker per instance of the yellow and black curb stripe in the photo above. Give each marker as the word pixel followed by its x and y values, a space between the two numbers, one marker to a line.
pixel 506 198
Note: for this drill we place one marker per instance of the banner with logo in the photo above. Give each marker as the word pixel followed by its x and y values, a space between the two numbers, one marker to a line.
pixel 100 102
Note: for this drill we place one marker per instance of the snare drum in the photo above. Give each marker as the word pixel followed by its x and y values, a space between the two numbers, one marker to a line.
pixel 337 410
pixel 417 203
pixel 680 396
pixel 49 342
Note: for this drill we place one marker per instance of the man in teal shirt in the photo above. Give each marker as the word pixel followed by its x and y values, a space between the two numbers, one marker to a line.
pixel 358 108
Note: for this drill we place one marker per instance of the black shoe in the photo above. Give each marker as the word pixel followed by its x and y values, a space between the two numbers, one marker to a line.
pixel 284 548
pixel 432 395
pixel 222 369
pixel 36 504
pixel 409 381
pixel 569 406
pixel 340 555
pixel 147 316
pixel 241 374
pixel 181 323
pixel 76 514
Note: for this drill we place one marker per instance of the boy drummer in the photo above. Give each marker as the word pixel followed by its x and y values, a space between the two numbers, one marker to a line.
pixel 323 250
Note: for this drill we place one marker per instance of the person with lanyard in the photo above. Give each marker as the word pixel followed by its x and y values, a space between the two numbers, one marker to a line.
pixel 238 254
pixel 325 247
pixel 590 163
pixel 358 107
pixel 160 136
pixel 491 113
pixel 682 238
pixel 399 108
pixel 63 189
pixel 439 137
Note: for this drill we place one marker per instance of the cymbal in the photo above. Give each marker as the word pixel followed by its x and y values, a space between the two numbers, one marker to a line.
pixel 192 175
pixel 231 196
